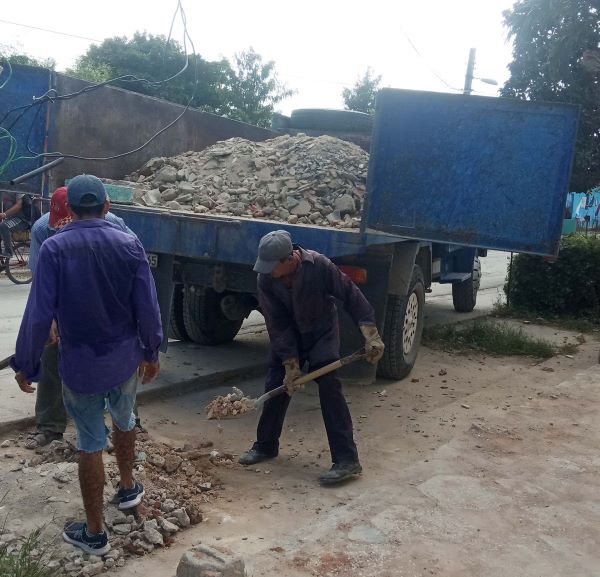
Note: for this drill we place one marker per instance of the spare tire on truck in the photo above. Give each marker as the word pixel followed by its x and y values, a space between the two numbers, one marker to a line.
pixel 403 328
pixel 325 119
pixel 204 320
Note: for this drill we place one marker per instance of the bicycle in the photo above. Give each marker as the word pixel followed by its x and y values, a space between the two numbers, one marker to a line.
pixel 17 266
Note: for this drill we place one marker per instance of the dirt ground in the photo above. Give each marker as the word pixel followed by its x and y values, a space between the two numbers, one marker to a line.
pixel 473 466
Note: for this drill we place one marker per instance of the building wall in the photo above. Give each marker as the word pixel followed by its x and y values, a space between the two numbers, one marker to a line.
pixel 109 121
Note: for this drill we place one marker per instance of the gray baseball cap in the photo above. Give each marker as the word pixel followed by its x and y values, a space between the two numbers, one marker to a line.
pixel 272 248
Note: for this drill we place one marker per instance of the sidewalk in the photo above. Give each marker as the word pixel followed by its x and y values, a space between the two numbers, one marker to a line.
pixel 184 368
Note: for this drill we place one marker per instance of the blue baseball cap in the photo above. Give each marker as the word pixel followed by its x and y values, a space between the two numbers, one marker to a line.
pixel 273 247
pixel 86 190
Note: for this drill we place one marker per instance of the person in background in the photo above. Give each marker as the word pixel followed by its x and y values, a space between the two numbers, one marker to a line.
pixel 12 219
pixel 50 414
pixel 95 281
pixel 297 289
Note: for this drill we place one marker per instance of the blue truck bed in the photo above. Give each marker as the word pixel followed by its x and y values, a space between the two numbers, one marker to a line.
pixel 448 176
pixel 465 170
pixel 235 240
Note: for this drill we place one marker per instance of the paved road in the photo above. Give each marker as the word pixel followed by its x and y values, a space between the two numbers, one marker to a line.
pixel 439 302
pixel 191 363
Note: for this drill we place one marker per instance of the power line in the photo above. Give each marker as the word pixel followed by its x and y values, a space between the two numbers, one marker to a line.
pixel 431 69
pixel 51 96
pixel 51 31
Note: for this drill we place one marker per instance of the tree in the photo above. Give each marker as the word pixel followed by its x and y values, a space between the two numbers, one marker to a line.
pixel 247 91
pixel 155 67
pixel 254 89
pixel 362 96
pixel 550 39
pixel 14 56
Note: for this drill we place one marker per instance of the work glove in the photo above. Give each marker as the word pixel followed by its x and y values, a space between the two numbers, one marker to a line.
pixel 292 372
pixel 374 346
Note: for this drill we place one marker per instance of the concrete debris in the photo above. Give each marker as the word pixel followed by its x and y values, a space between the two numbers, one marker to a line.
pixel 230 405
pixel 203 561
pixel 177 481
pixel 297 179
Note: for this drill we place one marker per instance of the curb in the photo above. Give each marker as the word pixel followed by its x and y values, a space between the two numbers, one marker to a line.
pixel 164 391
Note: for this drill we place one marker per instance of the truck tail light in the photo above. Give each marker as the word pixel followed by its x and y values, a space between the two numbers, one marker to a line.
pixel 357 274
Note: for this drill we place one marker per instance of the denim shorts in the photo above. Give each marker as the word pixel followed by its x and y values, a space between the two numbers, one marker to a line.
pixel 87 412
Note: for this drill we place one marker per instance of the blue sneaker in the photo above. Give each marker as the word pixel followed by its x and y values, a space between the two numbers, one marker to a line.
pixel 129 498
pixel 76 534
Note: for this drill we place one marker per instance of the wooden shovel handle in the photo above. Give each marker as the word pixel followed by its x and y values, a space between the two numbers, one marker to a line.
pixel 4 363
pixel 360 354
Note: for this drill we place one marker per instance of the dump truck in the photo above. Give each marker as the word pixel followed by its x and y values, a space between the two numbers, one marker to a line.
pixel 449 177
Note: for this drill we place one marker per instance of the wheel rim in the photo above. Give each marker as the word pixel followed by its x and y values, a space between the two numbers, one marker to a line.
pixel 411 320
pixel 17 268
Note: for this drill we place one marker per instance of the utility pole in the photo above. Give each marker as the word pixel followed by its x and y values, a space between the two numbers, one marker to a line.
pixel 469 75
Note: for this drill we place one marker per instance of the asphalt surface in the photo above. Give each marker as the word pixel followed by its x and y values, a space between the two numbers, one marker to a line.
pixel 186 366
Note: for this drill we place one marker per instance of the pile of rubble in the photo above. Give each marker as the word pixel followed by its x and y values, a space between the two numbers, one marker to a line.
pixel 231 405
pixel 177 481
pixel 296 179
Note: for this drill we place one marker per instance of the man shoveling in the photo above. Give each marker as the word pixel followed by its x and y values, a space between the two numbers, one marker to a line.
pixel 297 289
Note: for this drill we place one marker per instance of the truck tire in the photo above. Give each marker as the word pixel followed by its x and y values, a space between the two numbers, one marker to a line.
pixel 204 321
pixel 464 294
pixel 403 329
pixel 325 119
pixel 177 325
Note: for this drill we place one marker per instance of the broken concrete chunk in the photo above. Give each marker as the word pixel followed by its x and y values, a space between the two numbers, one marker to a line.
pixel 172 463
pixel 303 208
pixel 182 517
pixel 152 197
pixel 166 174
pixel 345 204
pixel 167 526
pixel 169 194
pixel 153 536
pixel 203 561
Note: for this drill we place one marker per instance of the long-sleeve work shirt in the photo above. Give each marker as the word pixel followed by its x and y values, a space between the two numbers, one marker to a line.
pixel 306 313
pixel 94 279
pixel 41 230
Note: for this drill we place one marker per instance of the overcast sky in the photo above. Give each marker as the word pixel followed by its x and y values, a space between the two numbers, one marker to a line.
pixel 319 46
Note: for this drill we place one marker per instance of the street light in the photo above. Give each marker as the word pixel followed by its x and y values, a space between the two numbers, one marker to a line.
pixel 469 77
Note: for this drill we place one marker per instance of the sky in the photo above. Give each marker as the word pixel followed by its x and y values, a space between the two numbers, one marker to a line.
pixel 319 47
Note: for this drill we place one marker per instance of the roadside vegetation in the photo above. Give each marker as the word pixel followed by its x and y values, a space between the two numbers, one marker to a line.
pixel 588 325
pixel 30 559
pixel 564 291
pixel 492 338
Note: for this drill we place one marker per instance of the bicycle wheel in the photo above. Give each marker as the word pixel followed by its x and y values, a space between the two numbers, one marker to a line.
pixel 17 267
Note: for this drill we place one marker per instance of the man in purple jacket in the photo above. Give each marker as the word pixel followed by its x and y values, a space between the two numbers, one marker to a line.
pixel 297 289
pixel 94 280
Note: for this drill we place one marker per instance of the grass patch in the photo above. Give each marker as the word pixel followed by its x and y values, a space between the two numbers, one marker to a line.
pixel 30 560
pixel 568 323
pixel 488 337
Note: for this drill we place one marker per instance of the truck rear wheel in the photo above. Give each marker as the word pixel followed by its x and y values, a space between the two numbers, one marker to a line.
pixel 204 321
pixel 403 329
pixel 177 324
pixel 464 294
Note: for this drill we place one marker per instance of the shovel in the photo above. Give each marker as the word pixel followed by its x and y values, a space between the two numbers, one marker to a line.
pixel 252 405
pixel 4 363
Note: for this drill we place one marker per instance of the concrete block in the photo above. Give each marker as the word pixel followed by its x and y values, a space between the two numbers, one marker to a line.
pixel 203 561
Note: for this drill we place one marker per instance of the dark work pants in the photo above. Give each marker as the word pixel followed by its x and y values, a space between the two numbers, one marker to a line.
pixel 7 227
pixel 50 414
pixel 336 416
